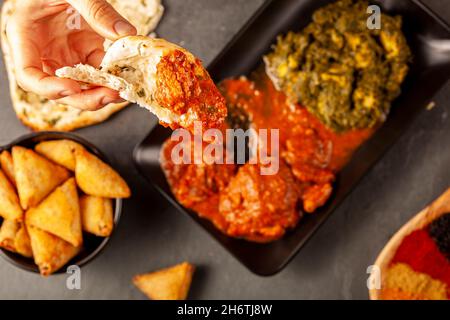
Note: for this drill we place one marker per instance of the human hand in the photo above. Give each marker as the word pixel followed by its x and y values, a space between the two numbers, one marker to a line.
pixel 41 41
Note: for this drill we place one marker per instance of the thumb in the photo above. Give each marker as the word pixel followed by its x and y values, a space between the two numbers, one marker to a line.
pixel 103 18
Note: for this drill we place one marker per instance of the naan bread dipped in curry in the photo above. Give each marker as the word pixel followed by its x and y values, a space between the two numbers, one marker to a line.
pixel 59 214
pixel 97 215
pixel 50 252
pixel 9 201
pixel 35 176
pixel 59 151
pixel 161 77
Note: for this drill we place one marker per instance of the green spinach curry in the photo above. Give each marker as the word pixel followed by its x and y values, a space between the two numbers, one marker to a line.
pixel 343 72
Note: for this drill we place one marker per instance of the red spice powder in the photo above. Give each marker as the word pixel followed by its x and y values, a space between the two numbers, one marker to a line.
pixel 420 251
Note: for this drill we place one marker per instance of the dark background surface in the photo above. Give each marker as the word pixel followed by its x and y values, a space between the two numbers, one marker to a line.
pixel 152 234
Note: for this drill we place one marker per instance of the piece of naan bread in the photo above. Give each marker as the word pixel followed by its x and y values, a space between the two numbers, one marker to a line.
pixel 143 14
pixel 160 76
pixel 42 114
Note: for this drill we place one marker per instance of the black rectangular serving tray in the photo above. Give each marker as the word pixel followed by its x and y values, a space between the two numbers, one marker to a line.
pixel 428 37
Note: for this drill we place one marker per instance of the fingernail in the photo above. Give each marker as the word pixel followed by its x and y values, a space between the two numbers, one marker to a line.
pixel 108 100
pixel 123 29
pixel 66 93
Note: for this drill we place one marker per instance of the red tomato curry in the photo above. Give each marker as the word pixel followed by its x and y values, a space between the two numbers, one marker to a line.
pixel 239 200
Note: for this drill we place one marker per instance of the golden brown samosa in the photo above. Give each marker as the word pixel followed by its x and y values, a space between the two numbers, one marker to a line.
pixel 36 177
pixel 167 284
pixel 22 242
pixel 8 232
pixel 59 214
pixel 14 237
pixel 96 215
pixel 9 201
pixel 96 178
pixel 7 164
pixel 50 252
pixel 59 151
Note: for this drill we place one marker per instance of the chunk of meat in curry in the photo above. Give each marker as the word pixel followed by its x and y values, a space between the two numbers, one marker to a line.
pixel 259 207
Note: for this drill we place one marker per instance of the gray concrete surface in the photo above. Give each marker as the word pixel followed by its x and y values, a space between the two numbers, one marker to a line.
pixel 152 234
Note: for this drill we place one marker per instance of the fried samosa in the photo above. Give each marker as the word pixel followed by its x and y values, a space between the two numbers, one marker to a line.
pixel 96 215
pixel 7 164
pixel 59 151
pixel 96 178
pixel 59 214
pixel 9 201
pixel 50 252
pixel 167 284
pixel 36 177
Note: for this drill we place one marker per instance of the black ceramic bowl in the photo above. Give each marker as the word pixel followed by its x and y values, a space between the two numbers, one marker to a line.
pixel 92 245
